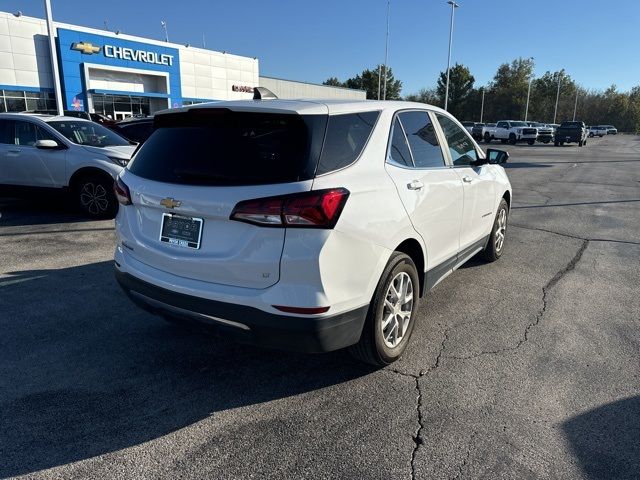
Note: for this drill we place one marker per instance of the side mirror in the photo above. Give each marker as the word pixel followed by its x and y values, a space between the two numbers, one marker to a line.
pixel 497 156
pixel 47 144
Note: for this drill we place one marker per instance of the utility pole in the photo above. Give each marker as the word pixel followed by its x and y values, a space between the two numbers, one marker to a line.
pixel 575 106
pixel 555 112
pixel 454 5
pixel 204 44
pixel 526 110
pixel 386 52
pixel 54 57
pixel 482 105
pixel 379 79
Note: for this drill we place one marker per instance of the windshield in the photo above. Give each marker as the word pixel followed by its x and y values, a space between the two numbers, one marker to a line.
pixel 518 124
pixel 88 133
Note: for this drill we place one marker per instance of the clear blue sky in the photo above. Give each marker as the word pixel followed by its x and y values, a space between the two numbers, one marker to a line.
pixel 596 41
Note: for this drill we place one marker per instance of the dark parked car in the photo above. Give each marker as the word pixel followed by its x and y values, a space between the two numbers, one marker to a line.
pixel 569 132
pixel 134 129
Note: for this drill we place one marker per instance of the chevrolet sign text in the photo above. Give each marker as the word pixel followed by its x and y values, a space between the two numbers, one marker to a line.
pixel 125 53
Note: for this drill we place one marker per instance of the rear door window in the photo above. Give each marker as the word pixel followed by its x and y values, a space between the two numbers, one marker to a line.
pixel 422 138
pixel 7 132
pixel 216 146
pixel 345 139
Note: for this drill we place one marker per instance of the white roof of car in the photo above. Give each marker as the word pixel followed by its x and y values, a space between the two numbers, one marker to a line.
pixel 41 116
pixel 308 107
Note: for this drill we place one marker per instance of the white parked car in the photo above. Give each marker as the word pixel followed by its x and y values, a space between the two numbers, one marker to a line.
pixel 512 131
pixel 62 154
pixel 305 225
pixel 598 131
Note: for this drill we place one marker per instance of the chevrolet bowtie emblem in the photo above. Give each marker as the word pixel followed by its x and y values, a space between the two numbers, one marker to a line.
pixel 170 202
pixel 85 47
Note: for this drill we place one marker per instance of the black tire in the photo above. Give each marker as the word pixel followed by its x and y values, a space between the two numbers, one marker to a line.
pixel 95 197
pixel 512 138
pixel 487 138
pixel 531 142
pixel 546 141
pixel 584 142
pixel 556 143
pixel 580 143
pixel 493 250
pixel 591 135
pixel 371 348
pixel 503 141
pixel 562 144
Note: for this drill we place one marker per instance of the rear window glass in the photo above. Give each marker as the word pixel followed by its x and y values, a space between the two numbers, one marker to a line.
pixel 346 137
pixel 221 147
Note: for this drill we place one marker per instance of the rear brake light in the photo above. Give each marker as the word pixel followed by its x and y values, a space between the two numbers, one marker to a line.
pixel 122 192
pixel 316 209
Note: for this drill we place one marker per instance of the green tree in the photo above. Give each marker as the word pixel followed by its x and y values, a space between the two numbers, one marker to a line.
pixel 368 81
pixel 333 82
pixel 425 95
pixel 507 93
pixel 460 88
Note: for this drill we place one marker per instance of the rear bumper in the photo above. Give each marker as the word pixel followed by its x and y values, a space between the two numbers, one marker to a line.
pixel 248 324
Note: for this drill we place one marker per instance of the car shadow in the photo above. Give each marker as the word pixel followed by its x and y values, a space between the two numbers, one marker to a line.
pixel 606 440
pixel 85 373
pixel 38 209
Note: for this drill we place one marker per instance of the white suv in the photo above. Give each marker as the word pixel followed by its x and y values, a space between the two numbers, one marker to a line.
pixel 305 225
pixel 62 154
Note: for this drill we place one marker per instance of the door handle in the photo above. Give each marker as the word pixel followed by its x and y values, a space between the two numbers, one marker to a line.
pixel 467 179
pixel 415 185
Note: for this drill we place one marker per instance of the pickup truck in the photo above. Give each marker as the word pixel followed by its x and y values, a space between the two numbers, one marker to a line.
pixel 569 132
pixel 545 132
pixel 480 130
pixel 512 131
pixel 597 131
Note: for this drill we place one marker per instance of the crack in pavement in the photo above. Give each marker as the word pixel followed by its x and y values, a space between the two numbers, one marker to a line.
pixel 465 460
pixel 545 292
pixel 568 235
pixel 417 438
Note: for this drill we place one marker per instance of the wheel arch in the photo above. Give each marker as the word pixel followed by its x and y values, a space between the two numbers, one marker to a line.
pixel 507 197
pixel 415 251
pixel 86 172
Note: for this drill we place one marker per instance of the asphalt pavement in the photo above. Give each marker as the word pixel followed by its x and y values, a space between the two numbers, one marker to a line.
pixel 525 368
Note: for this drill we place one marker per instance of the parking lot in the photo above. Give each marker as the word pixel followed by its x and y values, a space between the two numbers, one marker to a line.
pixel 525 368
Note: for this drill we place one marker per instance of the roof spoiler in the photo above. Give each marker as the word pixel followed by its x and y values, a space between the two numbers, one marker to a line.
pixel 262 93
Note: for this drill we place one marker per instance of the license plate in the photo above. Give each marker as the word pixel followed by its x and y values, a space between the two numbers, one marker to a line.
pixel 181 231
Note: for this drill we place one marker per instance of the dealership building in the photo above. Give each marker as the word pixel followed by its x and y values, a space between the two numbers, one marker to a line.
pixel 122 75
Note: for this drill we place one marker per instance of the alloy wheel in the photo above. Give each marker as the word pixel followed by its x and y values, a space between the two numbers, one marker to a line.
pixel 93 198
pixel 398 307
pixel 501 230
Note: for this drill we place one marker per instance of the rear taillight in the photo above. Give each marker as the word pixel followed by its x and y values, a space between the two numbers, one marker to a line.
pixel 316 209
pixel 122 192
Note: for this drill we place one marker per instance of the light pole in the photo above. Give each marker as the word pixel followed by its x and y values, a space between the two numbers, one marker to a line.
pixel 555 112
pixel 54 57
pixel 379 79
pixel 575 106
pixel 164 27
pixel 526 110
pixel 482 105
pixel 454 5
pixel 386 52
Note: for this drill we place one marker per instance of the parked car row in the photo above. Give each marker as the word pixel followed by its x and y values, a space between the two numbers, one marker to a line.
pixel 515 131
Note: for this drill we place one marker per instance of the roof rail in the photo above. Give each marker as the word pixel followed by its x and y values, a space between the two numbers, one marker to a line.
pixel 262 93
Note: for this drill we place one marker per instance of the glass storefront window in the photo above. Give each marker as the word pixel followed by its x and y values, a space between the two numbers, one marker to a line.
pixel 20 101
